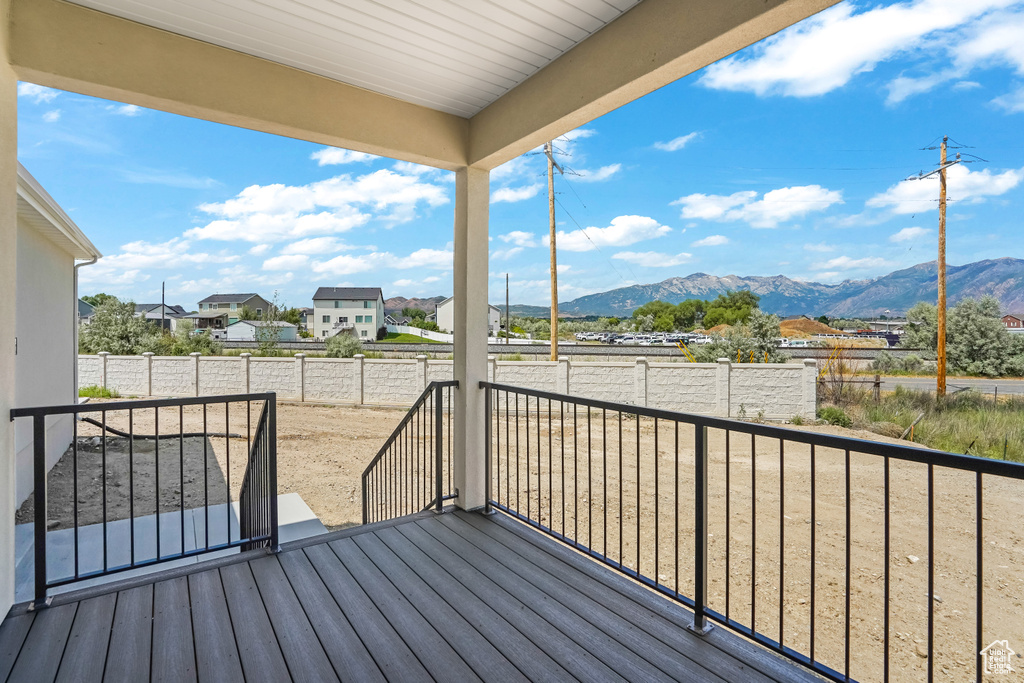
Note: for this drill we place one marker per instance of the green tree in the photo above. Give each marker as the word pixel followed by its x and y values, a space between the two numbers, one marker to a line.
pixel 921 331
pixel 183 342
pixel 687 313
pixel 116 329
pixel 730 308
pixel 246 313
pixel 428 325
pixel 291 315
pixel 764 331
pixel 977 342
pixel 97 300
pixel 823 319
pixel 343 345
pixel 414 313
pixel 268 330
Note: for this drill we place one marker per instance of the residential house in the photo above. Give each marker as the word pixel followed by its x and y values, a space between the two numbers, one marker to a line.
pixel 444 315
pixel 1014 322
pixel 160 314
pixel 85 312
pixel 232 304
pixel 305 318
pixel 357 310
pixel 249 330
pixel 45 365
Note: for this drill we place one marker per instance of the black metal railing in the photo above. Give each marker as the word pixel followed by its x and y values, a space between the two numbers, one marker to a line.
pixel 144 483
pixel 412 471
pixel 803 541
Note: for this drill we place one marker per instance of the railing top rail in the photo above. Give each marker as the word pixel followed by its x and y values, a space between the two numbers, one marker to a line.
pixel 138 404
pixel 926 456
pixel 405 420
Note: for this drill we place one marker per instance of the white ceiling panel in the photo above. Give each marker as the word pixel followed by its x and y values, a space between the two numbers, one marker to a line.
pixel 456 56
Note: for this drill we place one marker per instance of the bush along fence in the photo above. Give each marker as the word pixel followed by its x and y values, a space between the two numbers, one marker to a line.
pixel 723 389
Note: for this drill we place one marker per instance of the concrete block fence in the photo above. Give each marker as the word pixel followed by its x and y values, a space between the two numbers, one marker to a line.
pixel 777 391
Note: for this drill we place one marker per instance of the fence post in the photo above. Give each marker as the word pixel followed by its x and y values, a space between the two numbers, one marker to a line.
pixel 300 367
pixel 103 368
pixel 421 371
pixel 700 624
pixel 245 368
pixel 492 369
pixel 878 388
pixel 810 388
pixel 357 369
pixel 722 380
pixel 148 355
pixel 439 448
pixel 195 360
pixel 563 376
pixel 640 382
pixel 39 476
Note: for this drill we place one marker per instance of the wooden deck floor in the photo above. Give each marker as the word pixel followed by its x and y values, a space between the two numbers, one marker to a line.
pixel 452 597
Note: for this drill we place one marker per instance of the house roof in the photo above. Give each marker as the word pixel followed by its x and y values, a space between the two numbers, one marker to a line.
pixel 262 323
pixel 228 298
pixel 356 293
pixel 85 309
pixel 207 314
pixel 146 308
pixel 451 298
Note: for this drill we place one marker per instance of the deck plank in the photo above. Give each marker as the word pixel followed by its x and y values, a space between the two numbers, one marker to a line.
pixel 302 650
pixel 13 631
pixel 479 653
pixel 579 662
pixel 597 641
pixel 216 651
pixel 351 660
pixel 258 648
pixel 131 637
pixel 439 658
pixel 40 655
pixel 530 659
pixel 682 661
pixel 85 655
pixel 389 650
pixel 744 654
pixel 174 657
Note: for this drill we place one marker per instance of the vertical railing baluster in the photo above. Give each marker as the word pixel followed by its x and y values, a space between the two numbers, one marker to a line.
pixel 675 471
pixel 782 540
pixel 103 484
pixel 227 468
pixel 271 437
pixel 439 485
pixel 181 471
pixel 551 491
pixel 657 511
pixel 131 480
pixel 518 464
pixel 700 578
pixel 931 572
pixel 156 470
pixel 39 483
pixel 728 525
pixel 888 561
pixel 979 608
pixel 529 495
pixel 753 533
pixel 74 505
pixel 621 488
pixel 561 441
pixel 846 657
pixel 487 462
pixel 206 482
pixel 638 494
pixel 814 546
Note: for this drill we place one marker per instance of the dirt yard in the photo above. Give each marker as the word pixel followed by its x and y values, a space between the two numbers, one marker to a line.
pixel 323 449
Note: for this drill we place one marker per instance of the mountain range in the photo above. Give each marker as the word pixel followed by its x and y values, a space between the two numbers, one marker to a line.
pixel 1002 278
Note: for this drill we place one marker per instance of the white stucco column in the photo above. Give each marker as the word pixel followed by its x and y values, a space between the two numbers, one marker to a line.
pixel 148 355
pixel 300 375
pixel 8 240
pixel 722 388
pixel 472 200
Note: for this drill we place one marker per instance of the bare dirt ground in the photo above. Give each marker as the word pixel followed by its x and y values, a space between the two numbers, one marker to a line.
pixel 323 449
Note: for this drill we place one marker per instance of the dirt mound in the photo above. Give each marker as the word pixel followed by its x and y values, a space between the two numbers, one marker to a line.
pixel 718 329
pixel 803 327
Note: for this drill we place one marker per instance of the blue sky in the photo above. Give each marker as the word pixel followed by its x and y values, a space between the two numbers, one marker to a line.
pixel 786 158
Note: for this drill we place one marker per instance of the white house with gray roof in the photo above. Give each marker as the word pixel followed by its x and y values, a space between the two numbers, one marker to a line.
pixel 357 310
pixel 232 304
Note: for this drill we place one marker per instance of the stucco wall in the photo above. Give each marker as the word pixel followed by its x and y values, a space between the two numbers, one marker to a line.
pixel 774 391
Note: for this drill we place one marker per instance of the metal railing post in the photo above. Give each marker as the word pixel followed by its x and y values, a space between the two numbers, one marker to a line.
pixel 700 623
pixel 439 448
pixel 487 451
pixel 275 545
pixel 39 475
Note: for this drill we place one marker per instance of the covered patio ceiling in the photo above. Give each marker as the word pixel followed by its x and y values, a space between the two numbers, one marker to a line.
pixel 448 83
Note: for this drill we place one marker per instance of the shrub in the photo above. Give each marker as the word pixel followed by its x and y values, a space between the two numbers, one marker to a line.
pixel 796 420
pixel 835 415
pixel 382 333
pixel 95 391
pixel 343 346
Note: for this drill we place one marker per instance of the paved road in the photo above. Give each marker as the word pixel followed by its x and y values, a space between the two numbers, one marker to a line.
pixel 985 386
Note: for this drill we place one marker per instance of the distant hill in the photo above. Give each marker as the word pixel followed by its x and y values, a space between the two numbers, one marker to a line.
pixel 397 303
pixel 1003 278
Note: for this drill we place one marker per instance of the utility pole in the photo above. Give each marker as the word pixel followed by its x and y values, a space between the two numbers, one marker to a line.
pixel 163 308
pixel 508 320
pixel 940 380
pixel 552 165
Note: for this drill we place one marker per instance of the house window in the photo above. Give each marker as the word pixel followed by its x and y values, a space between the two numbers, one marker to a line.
pixel 259 312
pixel 369 318
pixel 234 306
pixel 343 319
pixel 362 333
pixel 359 318
pixel 327 319
pixel 337 304
pixel 367 304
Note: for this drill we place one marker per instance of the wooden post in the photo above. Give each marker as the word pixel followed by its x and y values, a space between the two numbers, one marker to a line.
pixel 878 388
pixel 940 387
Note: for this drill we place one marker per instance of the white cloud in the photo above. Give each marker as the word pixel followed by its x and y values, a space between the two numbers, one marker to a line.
pixel 259 249
pixel 37 93
pixel 825 51
pixel 676 143
pixel 520 238
pixel 125 109
pixel 907 234
pixel 603 173
pixel 333 156
pixel 403 283
pixel 315 246
pixel 421 258
pixel 52 116
pixel 623 231
pixel 847 263
pixel 1012 102
pixel 821 248
pixel 504 254
pixel 136 259
pixel 515 194
pixel 563 268
pixel 776 206
pixel 653 259
pixel 290 262
pixel 962 184
pixel 270 213
pixel 711 241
